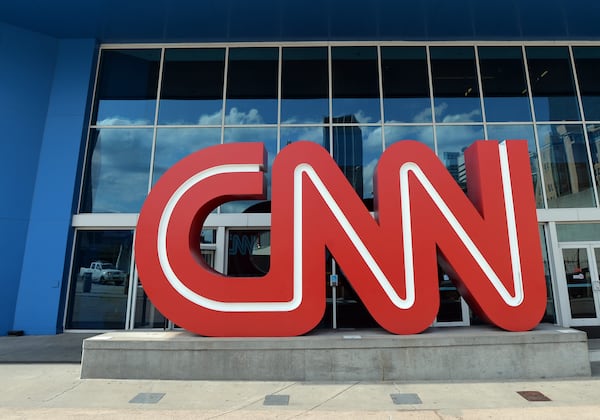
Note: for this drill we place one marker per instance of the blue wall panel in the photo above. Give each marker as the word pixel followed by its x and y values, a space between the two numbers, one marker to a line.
pixel 43 275
pixel 26 70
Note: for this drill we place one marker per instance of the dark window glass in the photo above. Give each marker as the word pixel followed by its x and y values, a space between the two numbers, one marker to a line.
pixel 504 84
pixel 268 136
pixel 249 253
pixel 252 86
pixel 117 170
pixel 564 158
pixel 552 84
pixel 192 87
pixel 550 315
pixel 304 86
pixel 127 86
pixel 579 282
pixel 173 144
pixel 405 84
pixel 455 86
pixel 100 279
pixel 587 64
pixel 355 83
pixel 452 141
pixel 522 132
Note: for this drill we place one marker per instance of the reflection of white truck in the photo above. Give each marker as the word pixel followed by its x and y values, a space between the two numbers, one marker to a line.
pixel 103 272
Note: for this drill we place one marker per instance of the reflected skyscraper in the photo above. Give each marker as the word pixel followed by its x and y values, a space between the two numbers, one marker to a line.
pixel 347 149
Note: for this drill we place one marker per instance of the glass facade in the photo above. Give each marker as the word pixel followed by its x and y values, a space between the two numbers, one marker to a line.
pixel 154 106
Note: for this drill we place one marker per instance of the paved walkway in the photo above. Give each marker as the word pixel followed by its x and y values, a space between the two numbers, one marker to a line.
pixel 33 389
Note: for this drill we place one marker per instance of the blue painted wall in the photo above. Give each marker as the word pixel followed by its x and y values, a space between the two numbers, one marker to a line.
pixel 47 246
pixel 26 70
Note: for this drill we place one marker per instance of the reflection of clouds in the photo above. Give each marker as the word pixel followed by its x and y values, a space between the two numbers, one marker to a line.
pixel 423 134
pixel 173 144
pixel 362 117
pixel 471 116
pixel 236 117
pixel 210 119
pixel 368 171
pixel 120 168
pixel 115 121
pixel 458 136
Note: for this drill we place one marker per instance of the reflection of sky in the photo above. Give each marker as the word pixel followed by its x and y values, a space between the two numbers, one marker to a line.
pixel 190 112
pixel 268 136
pixel 120 169
pixel 420 133
pixel 507 108
pixel 173 144
pixel 364 110
pixel 304 111
pixel 454 138
pixel 407 110
pixel 256 111
pixel 126 112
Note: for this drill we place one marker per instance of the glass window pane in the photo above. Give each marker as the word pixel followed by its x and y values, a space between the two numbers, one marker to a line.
pixel 268 136
pixel 127 86
pixel 192 87
pixel 579 283
pixel 423 134
pixel 587 63
pixel 405 84
pixel 552 84
pixel 565 166
pixel 290 135
pixel 455 86
pixel 100 279
pixel 574 232
pixel 249 253
pixel 594 139
pixel 117 170
pixel 522 132
pixel 504 84
pixel 550 315
pixel 356 150
pixel 452 140
pixel 304 86
pixel 252 86
pixel 173 144
pixel 355 83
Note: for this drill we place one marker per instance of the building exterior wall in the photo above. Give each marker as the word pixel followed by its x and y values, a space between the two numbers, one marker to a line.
pixel 26 73
pixel 47 70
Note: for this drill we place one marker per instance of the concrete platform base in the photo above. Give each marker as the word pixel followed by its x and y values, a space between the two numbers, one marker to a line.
pixel 473 353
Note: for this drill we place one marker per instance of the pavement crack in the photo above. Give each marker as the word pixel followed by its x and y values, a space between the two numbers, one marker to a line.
pixel 62 392
pixel 326 401
pixel 249 403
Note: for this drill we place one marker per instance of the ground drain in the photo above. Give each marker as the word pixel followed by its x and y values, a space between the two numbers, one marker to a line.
pixel 147 398
pixel 533 396
pixel 279 399
pixel 399 399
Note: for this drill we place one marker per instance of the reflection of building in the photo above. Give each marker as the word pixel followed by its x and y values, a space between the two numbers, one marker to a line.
pixel 347 149
pixel 455 164
pixel 565 162
pixel 594 137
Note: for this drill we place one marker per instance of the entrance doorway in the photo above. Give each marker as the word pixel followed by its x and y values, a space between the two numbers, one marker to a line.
pixel 581 277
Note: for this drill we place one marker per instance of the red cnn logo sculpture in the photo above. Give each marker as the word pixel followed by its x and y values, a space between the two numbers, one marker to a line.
pixel 488 242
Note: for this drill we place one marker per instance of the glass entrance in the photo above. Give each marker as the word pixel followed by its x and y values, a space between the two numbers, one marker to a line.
pixel 581 270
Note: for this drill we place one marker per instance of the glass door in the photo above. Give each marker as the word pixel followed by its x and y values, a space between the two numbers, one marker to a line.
pixel 580 262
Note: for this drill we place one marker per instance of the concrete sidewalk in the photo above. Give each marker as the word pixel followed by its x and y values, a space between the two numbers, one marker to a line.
pixel 33 389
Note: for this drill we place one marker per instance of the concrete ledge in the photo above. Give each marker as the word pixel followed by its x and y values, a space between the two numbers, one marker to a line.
pixel 462 353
